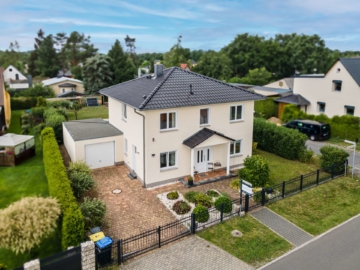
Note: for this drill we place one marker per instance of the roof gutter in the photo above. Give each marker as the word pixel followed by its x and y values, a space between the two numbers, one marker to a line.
pixel 143 116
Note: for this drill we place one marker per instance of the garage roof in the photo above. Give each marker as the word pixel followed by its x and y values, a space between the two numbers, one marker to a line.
pixel 91 129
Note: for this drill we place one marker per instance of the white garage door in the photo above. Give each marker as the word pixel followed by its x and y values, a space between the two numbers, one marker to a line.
pixel 100 155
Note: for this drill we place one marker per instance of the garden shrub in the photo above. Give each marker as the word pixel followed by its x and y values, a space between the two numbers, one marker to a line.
pixel 25 124
pixel 181 207
pixel 3 266
pixel 212 193
pixel 203 199
pixel 173 195
pixel 59 104
pixel 93 211
pixel 81 182
pixel 54 120
pixel 226 202
pixel 235 183
pixel 306 155
pixel 266 108
pixel 333 155
pixel 38 128
pixel 60 188
pixel 41 102
pixel 256 171
pixel 284 142
pixel 37 113
pixel 201 213
pixel 190 196
pixel 79 166
pixel 23 103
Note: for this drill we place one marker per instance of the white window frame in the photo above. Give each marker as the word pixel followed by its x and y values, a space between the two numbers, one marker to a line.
pixel 319 106
pixel 167 121
pixel 242 113
pixel 208 123
pixel 124 112
pixel 125 146
pixel 234 143
pixel 167 161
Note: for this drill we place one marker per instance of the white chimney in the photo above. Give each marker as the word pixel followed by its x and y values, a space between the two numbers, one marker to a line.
pixel 158 70
pixel 139 72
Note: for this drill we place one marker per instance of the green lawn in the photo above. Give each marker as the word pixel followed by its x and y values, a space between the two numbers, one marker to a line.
pixel 340 142
pixel 282 169
pixel 257 246
pixel 318 209
pixel 26 179
pixel 90 112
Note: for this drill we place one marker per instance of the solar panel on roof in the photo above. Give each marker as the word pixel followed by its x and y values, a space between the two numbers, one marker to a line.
pixel 92 102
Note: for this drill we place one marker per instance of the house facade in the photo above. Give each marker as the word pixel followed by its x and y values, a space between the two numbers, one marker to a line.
pixel 65 86
pixel 15 79
pixel 5 109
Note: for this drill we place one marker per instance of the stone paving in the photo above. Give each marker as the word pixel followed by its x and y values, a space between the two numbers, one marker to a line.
pixel 192 253
pixel 281 226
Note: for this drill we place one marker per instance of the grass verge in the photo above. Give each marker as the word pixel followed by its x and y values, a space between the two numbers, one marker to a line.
pixel 319 209
pixel 90 112
pixel 257 246
pixel 341 143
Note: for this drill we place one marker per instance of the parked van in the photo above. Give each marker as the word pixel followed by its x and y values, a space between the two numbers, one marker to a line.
pixel 313 129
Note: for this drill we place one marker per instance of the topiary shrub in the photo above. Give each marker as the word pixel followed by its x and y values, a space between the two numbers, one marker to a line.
pixel 173 195
pixel 201 213
pixel 235 183
pixel 93 211
pixel 181 207
pixel 203 199
pixel 212 193
pixel 331 155
pixel 226 202
pixel 25 124
pixel 190 196
pixel 256 171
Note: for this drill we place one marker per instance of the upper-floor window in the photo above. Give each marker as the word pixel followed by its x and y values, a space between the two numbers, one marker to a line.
pixel 16 76
pixel 204 116
pixel 235 148
pixel 124 113
pixel 236 113
pixel 168 120
pixel 337 85
pixel 125 146
pixel 321 106
pixel 168 160
pixel 349 110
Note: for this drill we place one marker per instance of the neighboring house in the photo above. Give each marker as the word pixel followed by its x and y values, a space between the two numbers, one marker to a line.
pixel 286 83
pixel 172 124
pixel 185 66
pixel 193 63
pixel 15 79
pixel 270 92
pixel 5 109
pixel 65 86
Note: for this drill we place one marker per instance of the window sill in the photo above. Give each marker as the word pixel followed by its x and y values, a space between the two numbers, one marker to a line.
pixel 168 169
pixel 236 155
pixel 235 121
pixel 205 125
pixel 166 130
pixel 125 120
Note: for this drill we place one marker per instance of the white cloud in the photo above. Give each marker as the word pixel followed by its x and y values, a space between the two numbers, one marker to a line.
pixel 86 23
pixel 213 7
pixel 327 6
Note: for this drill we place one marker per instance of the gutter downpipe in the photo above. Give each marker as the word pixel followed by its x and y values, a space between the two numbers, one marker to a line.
pixel 144 185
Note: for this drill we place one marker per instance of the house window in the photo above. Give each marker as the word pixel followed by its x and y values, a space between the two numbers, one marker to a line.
pixel 124 114
pixel 204 116
pixel 321 106
pixel 16 76
pixel 235 148
pixel 337 85
pixel 168 120
pixel 63 90
pixel 168 160
pixel 10 69
pixel 349 110
pixel 236 113
pixel 125 146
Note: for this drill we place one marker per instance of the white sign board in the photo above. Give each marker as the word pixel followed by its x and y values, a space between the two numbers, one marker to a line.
pixel 247 187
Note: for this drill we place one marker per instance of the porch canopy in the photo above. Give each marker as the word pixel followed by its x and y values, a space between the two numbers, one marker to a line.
pixel 206 138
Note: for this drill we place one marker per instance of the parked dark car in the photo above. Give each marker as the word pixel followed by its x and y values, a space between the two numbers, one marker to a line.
pixel 313 129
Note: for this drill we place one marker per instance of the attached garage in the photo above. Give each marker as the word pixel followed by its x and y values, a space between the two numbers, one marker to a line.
pixel 95 141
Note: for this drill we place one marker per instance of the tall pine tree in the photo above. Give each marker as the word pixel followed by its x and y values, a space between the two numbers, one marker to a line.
pixel 121 66
pixel 97 73
pixel 47 63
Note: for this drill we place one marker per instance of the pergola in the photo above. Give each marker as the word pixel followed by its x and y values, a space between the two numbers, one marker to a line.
pixel 15 148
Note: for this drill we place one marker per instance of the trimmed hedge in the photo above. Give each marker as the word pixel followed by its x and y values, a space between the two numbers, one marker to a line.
pixel 344 127
pixel 284 142
pixel 23 103
pixel 59 187
pixel 226 202
pixel 333 158
pixel 266 108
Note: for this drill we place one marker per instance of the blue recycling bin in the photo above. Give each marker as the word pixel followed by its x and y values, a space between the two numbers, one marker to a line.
pixel 103 250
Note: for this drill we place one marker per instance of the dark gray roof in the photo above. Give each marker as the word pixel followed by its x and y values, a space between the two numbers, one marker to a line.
pixel 173 90
pixel 67 85
pixel 352 65
pixel 91 129
pixel 201 136
pixel 293 99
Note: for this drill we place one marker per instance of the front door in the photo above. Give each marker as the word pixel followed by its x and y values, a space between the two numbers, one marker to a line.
pixel 202 157
pixel 134 158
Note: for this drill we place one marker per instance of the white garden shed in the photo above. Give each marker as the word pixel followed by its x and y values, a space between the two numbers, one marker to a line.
pixel 15 148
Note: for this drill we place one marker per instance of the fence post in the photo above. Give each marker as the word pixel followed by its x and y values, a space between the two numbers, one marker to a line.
pixel 192 224
pixel 301 182
pixel 221 212
pixel 159 234
pixel 317 176
pixel 332 171
pixel 119 251
pixel 346 165
pixel 283 189
pixel 263 197
pixel 246 203
pixel 241 191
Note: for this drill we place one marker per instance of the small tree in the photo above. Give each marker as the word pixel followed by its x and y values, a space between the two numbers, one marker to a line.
pixel 256 171
pixel 75 107
pixel 23 224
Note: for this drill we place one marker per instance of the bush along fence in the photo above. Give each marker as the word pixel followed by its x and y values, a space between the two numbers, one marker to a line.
pixel 122 250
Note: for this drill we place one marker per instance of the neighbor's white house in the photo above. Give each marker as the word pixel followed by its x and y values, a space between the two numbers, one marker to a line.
pixel 335 93
pixel 15 79
pixel 167 126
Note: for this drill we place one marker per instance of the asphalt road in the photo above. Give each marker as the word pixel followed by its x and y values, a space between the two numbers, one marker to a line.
pixel 339 249
pixel 316 145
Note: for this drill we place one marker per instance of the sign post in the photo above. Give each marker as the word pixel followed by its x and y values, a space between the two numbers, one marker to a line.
pixel 353 145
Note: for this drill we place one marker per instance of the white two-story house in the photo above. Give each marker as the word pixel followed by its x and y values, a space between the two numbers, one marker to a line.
pixel 175 123
pixel 15 79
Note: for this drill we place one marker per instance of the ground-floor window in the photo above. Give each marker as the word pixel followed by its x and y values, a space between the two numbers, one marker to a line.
pixel 235 147
pixel 167 159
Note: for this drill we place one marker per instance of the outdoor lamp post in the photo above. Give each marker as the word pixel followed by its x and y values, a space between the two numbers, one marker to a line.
pixel 353 145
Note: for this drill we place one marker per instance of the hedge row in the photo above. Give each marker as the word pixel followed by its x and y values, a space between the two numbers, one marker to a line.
pixel 266 108
pixel 23 103
pixel 344 127
pixel 284 142
pixel 59 187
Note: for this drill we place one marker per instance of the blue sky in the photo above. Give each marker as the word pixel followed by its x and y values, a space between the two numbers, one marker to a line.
pixel 203 24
